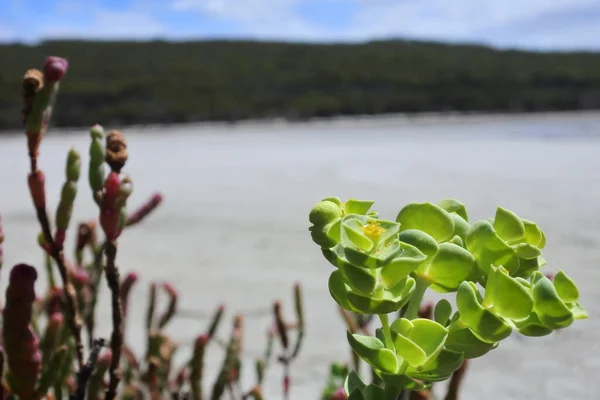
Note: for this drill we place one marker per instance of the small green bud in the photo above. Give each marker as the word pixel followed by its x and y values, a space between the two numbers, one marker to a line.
pixel 73 166
pixel 96 152
pixel 324 212
pixel 63 215
pixel 96 177
pixel 68 193
pixel 97 132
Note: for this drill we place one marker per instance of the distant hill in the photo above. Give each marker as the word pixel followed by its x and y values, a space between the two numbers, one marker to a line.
pixel 168 82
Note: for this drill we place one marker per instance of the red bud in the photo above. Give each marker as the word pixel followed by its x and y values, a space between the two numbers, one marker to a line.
pixel 55 68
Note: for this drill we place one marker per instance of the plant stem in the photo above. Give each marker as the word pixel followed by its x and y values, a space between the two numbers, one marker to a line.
pixel 415 301
pixel 385 323
pixel 57 254
pixel 116 342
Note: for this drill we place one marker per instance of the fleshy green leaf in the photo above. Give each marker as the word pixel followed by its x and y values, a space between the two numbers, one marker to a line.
pixel 565 287
pixel 457 241
pixel 550 308
pixel 372 351
pixel 360 207
pixel 527 251
pixel 419 340
pixel 534 235
pixel 391 301
pixel 507 296
pixel 485 325
pixel 361 279
pixel 438 368
pixel 353 382
pixel 449 268
pixel 421 240
pixel 463 341
pixel 461 227
pixel 454 206
pixel 427 217
pixel 402 382
pixel 372 392
pixel 339 290
pixel 578 311
pixel 353 235
pixel 488 249
pixel 532 326
pixel 508 225
pixel 442 312
pixel 407 260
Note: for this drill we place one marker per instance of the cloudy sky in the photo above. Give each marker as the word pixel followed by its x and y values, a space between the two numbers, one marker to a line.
pixel 535 24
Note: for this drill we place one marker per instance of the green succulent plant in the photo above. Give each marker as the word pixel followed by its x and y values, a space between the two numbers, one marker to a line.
pixel 382 267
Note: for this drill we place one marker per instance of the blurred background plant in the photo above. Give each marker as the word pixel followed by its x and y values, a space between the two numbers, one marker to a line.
pixel 44 351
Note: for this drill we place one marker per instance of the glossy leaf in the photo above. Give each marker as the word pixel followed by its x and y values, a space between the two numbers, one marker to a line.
pixel 360 207
pixel 373 351
pixel 449 268
pixel 527 251
pixel 461 227
pixel 484 324
pixel 454 206
pixel 534 235
pixel 353 382
pixel 550 308
pixel 427 217
pixel 419 340
pixel 391 301
pixel 565 287
pixel 507 297
pixel 457 240
pixel 442 312
pixel 508 225
pixel 401 382
pixel 353 235
pixel 339 290
pixel 372 392
pixel 407 260
pixel 532 326
pixel 488 249
pixel 421 240
pixel 578 311
pixel 463 341
pixel 438 368
pixel 360 279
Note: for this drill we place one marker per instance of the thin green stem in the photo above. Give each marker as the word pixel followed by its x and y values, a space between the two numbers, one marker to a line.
pixel 387 333
pixel 412 310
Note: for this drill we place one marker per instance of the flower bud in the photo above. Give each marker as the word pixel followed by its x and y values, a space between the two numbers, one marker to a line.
pixel 55 69
pixel 116 150
pixel 97 132
pixel 324 212
pixel 73 166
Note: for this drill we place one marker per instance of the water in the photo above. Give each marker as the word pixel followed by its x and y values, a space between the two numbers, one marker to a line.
pixel 233 227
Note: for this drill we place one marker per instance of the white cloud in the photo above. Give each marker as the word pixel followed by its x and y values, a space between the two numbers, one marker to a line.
pixel 461 20
pixel 106 24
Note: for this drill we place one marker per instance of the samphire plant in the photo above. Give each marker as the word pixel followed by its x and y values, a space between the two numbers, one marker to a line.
pixel 49 347
pixel 492 266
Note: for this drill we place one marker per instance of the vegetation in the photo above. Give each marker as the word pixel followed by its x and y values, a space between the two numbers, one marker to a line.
pixel 385 267
pixel 48 344
pixel 162 82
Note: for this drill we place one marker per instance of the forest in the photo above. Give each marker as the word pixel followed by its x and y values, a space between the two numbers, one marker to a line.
pixel 121 83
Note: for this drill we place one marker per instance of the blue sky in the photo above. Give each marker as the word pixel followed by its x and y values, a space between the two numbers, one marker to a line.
pixel 534 24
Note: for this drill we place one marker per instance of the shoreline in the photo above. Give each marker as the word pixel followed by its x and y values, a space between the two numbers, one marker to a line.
pixel 427 118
